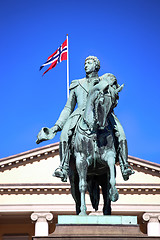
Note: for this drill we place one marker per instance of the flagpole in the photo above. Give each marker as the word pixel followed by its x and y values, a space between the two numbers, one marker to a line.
pixel 67 70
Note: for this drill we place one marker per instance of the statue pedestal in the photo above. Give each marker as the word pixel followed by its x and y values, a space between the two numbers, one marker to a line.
pixel 98 220
pixel 96 227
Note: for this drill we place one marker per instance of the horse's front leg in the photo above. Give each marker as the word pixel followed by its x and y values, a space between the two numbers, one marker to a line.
pixel 113 193
pixel 82 168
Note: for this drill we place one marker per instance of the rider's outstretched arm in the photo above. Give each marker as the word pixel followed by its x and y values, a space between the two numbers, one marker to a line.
pixel 66 112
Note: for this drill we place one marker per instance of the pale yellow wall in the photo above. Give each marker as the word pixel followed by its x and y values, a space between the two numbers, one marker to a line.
pixel 138 199
pixel 36 199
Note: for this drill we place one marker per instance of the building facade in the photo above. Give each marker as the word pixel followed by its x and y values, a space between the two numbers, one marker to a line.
pixel 31 199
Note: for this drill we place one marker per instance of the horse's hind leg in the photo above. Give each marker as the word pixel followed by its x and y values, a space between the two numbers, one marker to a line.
pixel 113 193
pixel 82 167
pixel 105 192
pixel 103 181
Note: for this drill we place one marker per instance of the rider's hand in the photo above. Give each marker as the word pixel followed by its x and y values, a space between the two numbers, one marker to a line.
pixel 47 134
pixel 55 129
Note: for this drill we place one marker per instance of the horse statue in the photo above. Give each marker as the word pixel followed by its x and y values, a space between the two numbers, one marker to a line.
pixel 95 148
pixel 93 151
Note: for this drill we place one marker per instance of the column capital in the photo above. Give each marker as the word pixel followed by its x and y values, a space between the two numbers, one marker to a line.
pixel 41 216
pixel 151 216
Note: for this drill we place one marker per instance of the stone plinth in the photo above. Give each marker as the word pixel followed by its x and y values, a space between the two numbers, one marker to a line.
pixel 96 227
pixel 73 219
pixel 96 232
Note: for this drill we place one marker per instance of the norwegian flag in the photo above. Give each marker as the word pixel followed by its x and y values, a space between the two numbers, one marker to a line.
pixel 58 56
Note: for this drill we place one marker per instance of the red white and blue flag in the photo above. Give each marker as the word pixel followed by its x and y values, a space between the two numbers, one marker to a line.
pixel 58 56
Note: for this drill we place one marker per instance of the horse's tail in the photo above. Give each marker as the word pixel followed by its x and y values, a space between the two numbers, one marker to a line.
pixel 94 191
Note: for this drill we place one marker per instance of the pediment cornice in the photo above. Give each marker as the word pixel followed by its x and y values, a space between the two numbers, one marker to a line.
pixel 145 166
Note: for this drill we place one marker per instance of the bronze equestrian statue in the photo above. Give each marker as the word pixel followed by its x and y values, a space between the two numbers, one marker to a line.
pixel 92 138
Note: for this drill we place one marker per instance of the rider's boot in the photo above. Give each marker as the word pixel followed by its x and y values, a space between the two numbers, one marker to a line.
pixel 126 169
pixel 62 171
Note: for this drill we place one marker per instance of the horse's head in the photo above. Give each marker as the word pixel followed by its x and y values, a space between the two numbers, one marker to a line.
pixel 102 108
pixel 102 99
pixel 105 103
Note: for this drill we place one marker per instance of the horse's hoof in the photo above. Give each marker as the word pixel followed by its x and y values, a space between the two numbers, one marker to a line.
pixel 113 194
pixel 82 214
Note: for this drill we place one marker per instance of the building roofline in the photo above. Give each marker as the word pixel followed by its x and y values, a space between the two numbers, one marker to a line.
pixel 47 147
pixel 143 161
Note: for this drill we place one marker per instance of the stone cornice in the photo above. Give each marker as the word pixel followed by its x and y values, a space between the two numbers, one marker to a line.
pixel 125 208
pixel 144 166
pixel 147 189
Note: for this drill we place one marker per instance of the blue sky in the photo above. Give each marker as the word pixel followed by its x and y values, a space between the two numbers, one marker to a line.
pixel 123 34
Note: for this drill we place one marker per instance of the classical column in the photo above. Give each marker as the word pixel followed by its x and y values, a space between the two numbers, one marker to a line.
pixel 153 226
pixel 41 225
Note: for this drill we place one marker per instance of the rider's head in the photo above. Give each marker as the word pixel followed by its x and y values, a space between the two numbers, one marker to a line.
pixel 92 64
